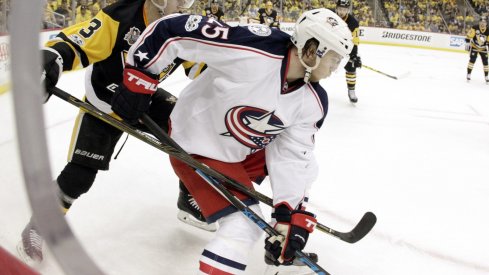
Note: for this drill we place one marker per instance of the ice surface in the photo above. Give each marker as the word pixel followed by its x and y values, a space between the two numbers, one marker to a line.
pixel 415 151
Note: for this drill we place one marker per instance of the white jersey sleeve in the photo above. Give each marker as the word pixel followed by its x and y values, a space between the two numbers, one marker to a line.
pixel 290 159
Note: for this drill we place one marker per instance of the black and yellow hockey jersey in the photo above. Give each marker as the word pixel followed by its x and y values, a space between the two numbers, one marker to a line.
pixel 218 15
pixel 354 27
pixel 269 19
pixel 478 38
pixel 101 45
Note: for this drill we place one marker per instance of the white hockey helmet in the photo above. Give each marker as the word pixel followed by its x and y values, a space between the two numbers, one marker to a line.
pixel 326 27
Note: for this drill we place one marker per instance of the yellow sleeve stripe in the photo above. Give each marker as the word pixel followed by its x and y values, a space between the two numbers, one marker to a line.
pixel 76 62
pixel 356 39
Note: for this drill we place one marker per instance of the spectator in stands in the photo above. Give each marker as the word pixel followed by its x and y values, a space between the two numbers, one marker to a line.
pixel 65 11
pixel 94 9
pixel 48 21
pixel 83 15
pixel 253 11
pixel 80 4
pixel 268 16
pixel 53 4
pixel 214 11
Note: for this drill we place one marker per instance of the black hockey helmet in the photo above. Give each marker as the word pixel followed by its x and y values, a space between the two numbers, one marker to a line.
pixel 343 3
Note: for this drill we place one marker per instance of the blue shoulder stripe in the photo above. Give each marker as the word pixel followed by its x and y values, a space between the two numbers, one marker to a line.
pixel 322 97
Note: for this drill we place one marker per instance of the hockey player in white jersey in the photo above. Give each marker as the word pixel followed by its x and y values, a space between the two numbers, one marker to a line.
pixel 258 104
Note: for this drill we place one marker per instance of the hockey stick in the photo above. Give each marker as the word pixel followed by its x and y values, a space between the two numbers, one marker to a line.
pixel 221 189
pixel 166 144
pixel 382 73
pixel 361 229
pixel 250 214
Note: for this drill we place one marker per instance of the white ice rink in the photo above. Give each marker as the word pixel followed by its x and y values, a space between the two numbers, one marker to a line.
pixel 415 151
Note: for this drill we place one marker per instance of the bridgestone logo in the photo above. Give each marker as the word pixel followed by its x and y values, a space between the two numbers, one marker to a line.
pixel 88 154
pixel 406 36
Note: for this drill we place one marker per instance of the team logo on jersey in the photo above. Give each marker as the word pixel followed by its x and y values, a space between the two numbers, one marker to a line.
pixel 253 127
pixel 132 35
pixel 77 39
pixel 320 53
pixel 193 22
pixel 333 22
pixel 141 55
pixel 260 30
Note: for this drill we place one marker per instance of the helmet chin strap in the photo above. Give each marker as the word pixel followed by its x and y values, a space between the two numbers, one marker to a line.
pixel 160 7
pixel 309 69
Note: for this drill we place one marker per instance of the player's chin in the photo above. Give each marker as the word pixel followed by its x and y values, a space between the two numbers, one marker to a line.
pixel 316 76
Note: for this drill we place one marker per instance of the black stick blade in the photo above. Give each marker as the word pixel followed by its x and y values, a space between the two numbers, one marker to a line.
pixel 363 227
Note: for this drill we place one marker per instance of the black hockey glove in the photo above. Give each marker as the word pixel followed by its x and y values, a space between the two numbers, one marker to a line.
pixel 356 61
pixel 52 69
pixel 468 47
pixel 294 227
pixel 133 97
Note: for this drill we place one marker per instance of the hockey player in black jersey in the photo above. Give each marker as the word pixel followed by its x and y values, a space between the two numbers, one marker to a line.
pixel 268 16
pixel 476 44
pixel 101 45
pixel 214 11
pixel 343 10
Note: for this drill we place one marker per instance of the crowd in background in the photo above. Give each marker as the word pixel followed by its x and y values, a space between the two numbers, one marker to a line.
pixel 444 16
pixel 480 6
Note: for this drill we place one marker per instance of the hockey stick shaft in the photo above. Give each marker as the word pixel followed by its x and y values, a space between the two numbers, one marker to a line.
pixel 221 189
pixel 361 229
pixel 380 72
pixel 92 110
pixel 255 218
pixel 167 145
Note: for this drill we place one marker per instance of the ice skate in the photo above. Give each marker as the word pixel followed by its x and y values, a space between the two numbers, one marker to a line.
pixel 468 77
pixel 352 96
pixel 189 211
pixel 296 268
pixel 487 80
pixel 30 247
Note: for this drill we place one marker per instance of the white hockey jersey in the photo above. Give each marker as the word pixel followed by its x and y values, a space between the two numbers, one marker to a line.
pixel 242 102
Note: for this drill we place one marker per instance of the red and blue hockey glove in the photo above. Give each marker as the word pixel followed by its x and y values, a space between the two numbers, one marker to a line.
pixel 133 97
pixel 294 227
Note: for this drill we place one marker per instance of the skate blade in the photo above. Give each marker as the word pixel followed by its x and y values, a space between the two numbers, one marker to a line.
pixel 189 219
pixel 24 257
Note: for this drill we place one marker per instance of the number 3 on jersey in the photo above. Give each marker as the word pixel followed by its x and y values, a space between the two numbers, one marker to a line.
pixel 95 24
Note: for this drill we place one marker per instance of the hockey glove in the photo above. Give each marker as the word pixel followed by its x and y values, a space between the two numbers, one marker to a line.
pixel 294 227
pixel 133 97
pixel 467 47
pixel 356 61
pixel 52 69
